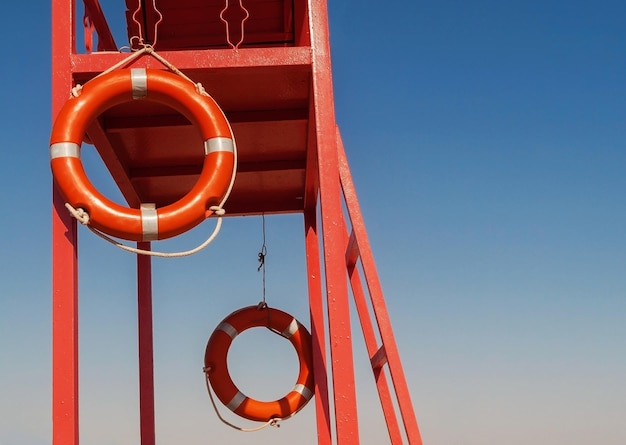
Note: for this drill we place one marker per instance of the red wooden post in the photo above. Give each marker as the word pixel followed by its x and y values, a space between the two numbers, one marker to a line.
pixel 316 305
pixel 64 256
pixel 346 418
pixel 146 368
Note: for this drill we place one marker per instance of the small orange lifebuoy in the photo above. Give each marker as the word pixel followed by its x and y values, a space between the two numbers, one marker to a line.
pixel 146 223
pixel 216 367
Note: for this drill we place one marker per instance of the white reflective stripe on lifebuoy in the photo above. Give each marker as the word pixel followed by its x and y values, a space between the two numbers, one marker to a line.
pixel 139 82
pixel 291 329
pixel 149 222
pixel 236 401
pixel 64 150
pixel 218 144
pixel 228 329
pixel 303 391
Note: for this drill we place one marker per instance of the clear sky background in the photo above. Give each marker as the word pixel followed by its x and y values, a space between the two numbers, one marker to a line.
pixel 487 142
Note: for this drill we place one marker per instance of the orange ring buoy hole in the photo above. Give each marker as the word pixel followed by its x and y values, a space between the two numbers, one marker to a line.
pixel 215 363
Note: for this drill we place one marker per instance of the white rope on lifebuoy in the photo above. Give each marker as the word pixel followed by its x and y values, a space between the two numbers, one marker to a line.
pixel 272 422
pixel 83 217
pixel 80 214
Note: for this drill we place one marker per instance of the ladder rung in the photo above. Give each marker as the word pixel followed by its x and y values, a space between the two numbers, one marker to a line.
pixel 379 359
pixel 352 251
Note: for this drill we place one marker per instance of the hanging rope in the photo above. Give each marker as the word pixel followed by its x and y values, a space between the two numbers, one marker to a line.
pixel 272 422
pixel 83 218
pixel 261 257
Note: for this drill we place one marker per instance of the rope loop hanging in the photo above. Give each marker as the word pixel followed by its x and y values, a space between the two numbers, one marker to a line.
pixel 272 422
pixel 83 217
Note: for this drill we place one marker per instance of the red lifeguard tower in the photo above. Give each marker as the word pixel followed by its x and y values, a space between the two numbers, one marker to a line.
pixel 267 64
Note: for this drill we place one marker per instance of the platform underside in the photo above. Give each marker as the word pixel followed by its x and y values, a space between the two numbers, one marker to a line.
pixel 155 155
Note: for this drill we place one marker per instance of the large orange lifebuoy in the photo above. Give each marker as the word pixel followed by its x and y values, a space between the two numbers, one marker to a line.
pixel 215 364
pixel 146 223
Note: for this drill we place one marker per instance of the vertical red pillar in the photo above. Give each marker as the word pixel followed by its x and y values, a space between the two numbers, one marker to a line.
pixel 146 366
pixel 64 255
pixel 64 326
pixel 314 272
pixel 331 210
pixel 316 307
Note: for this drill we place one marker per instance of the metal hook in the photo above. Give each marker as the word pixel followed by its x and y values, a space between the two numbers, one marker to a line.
pixel 242 8
pixel 140 38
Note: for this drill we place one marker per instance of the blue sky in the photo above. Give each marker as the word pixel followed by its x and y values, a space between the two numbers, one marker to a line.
pixel 488 147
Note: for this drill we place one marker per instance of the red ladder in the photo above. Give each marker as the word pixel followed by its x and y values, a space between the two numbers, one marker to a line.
pixel 374 322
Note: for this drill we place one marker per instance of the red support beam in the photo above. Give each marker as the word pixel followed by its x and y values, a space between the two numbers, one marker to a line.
pixel 316 307
pixel 334 239
pixel 93 11
pixel 64 325
pixel 377 355
pixel 146 367
pixel 64 254
pixel 252 58
pixel 113 162
pixel 377 299
pixel 314 273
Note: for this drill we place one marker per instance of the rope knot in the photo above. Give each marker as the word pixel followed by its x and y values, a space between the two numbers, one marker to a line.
pixel 200 89
pixel 75 92
pixel 80 214
pixel 261 258
pixel 217 210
